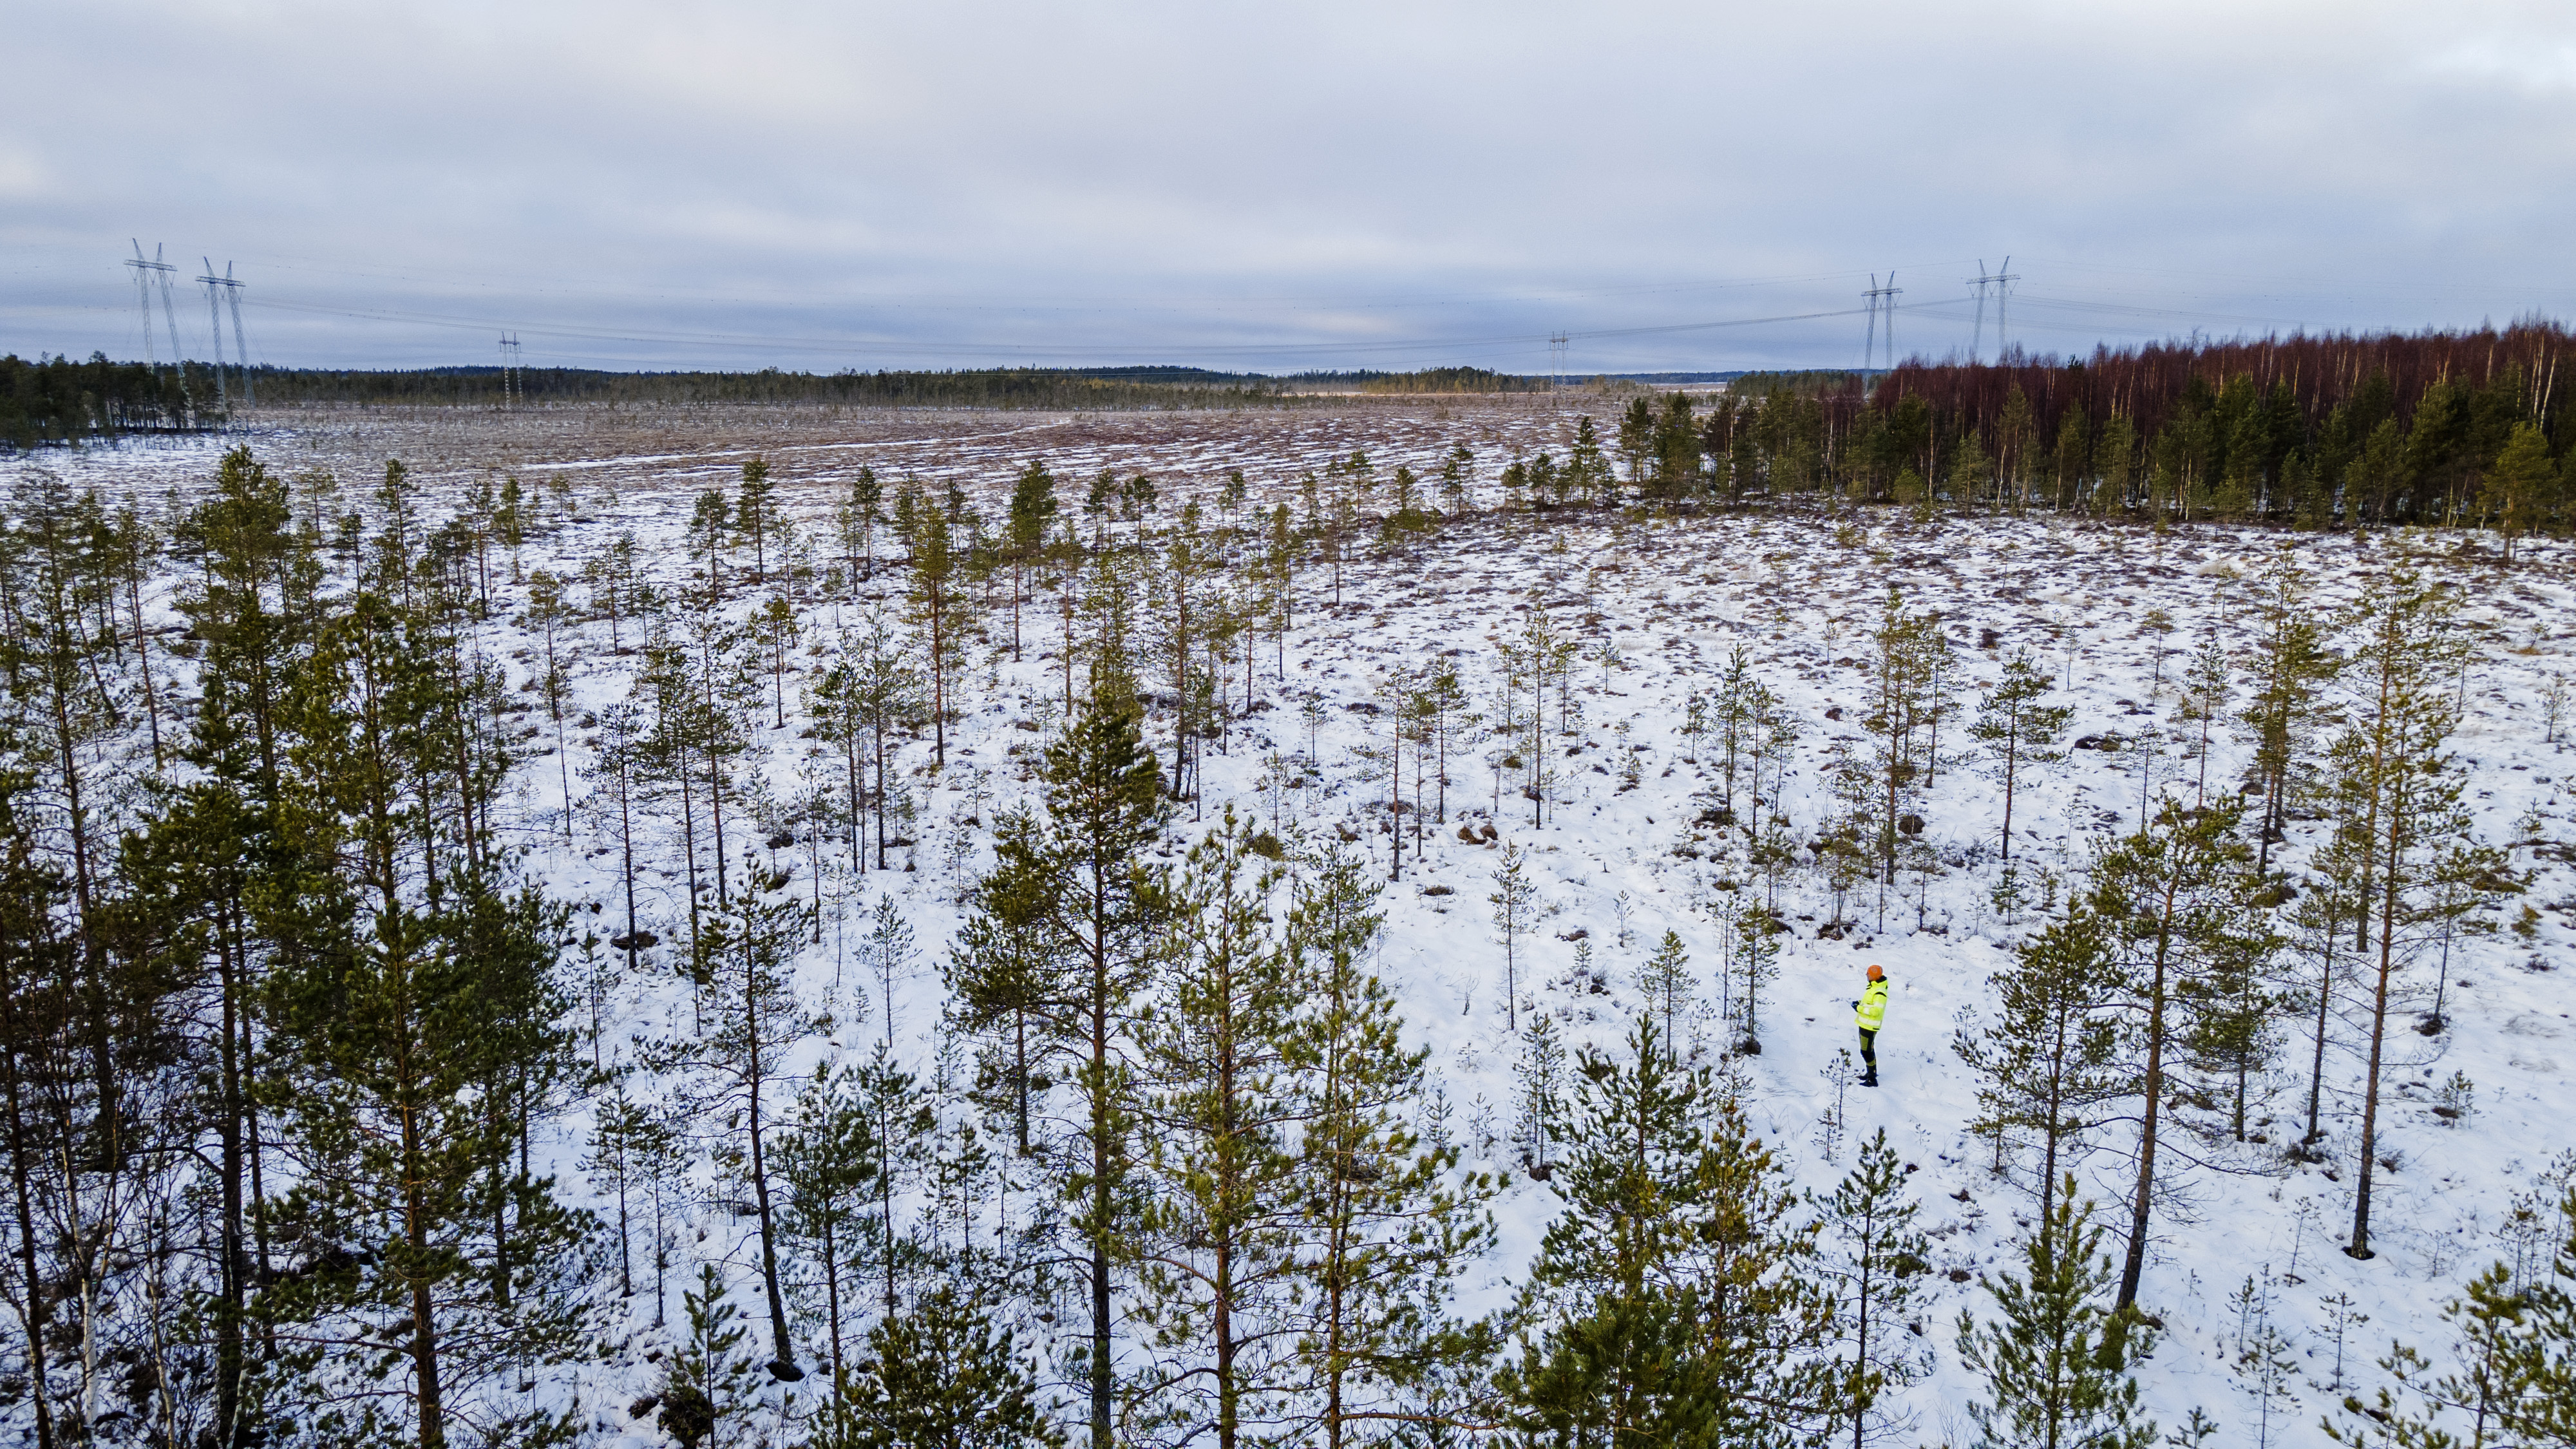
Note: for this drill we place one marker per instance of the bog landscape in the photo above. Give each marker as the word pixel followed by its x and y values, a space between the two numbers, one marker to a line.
pixel 1180 911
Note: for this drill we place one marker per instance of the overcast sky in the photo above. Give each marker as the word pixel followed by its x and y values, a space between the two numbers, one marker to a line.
pixel 1273 187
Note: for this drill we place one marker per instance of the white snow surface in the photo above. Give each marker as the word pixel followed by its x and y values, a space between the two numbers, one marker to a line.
pixel 1672 597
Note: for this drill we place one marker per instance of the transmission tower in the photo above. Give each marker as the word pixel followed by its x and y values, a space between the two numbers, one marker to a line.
pixel 1880 296
pixel 1560 346
pixel 510 384
pixel 2001 281
pixel 230 291
pixel 215 287
pixel 145 274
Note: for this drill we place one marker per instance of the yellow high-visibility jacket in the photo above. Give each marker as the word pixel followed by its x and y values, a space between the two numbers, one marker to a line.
pixel 1872 1005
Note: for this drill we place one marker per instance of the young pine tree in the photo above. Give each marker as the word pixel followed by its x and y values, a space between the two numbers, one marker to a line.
pixel 1033 508
pixel 2292 665
pixel 1903 705
pixel 2177 900
pixel 940 1373
pixel 1665 982
pixel 2400 800
pixel 1216 1250
pixel 1004 972
pixel 1669 1302
pixel 1097 910
pixel 2056 1377
pixel 734 1065
pixel 904 1122
pixel 429 982
pixel 1754 961
pixel 887 953
pixel 830 1159
pixel 710 1386
pixel 2048 1063
pixel 2017 729
pixel 2514 1381
pixel 1540 1077
pixel 1515 902
pixel 937 604
pixel 1386 1223
pixel 1877 1255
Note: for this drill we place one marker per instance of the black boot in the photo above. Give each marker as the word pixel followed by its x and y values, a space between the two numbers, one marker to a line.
pixel 1870 1081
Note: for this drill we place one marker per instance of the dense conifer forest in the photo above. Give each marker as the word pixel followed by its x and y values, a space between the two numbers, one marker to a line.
pixel 57 400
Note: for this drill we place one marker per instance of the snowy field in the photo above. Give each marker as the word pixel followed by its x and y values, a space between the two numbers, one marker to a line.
pixel 1623 854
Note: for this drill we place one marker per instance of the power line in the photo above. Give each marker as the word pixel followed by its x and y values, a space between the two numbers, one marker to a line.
pixel 1008 349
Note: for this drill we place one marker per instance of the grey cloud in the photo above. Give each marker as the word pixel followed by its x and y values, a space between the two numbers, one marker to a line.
pixel 1276 186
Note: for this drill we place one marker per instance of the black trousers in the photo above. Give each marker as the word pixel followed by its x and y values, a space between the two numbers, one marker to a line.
pixel 1869 1050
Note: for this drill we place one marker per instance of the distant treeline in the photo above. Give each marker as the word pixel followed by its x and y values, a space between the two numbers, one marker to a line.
pixel 2323 431
pixel 1043 388
pixel 57 400
pixel 1763 384
pixel 1428 380
pixel 999 387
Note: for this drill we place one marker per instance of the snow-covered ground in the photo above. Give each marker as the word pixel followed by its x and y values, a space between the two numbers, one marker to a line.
pixel 1658 605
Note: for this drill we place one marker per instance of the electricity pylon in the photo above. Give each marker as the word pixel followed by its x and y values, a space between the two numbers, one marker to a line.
pixel 510 384
pixel 1877 296
pixel 145 273
pixel 2001 279
pixel 216 288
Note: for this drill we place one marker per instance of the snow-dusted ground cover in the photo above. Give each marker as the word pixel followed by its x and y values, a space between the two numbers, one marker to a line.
pixel 1657 604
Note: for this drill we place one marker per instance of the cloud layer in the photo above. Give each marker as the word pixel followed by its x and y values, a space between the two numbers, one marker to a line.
pixel 1275 187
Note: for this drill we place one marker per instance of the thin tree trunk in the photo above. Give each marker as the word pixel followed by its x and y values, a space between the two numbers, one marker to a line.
pixel 760 1189
pixel 2134 1266
pixel 832 1308
pixel 2325 1001
pixel 2012 743
pixel 32 1307
pixel 229 1302
pixel 1101 1379
pixel 2360 1246
pixel 938 674
pixel 424 1323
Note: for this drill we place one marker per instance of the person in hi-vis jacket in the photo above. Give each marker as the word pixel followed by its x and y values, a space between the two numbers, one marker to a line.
pixel 1871 1010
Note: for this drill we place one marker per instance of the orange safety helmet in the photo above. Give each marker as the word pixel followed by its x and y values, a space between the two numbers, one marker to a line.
pixel 1875 974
